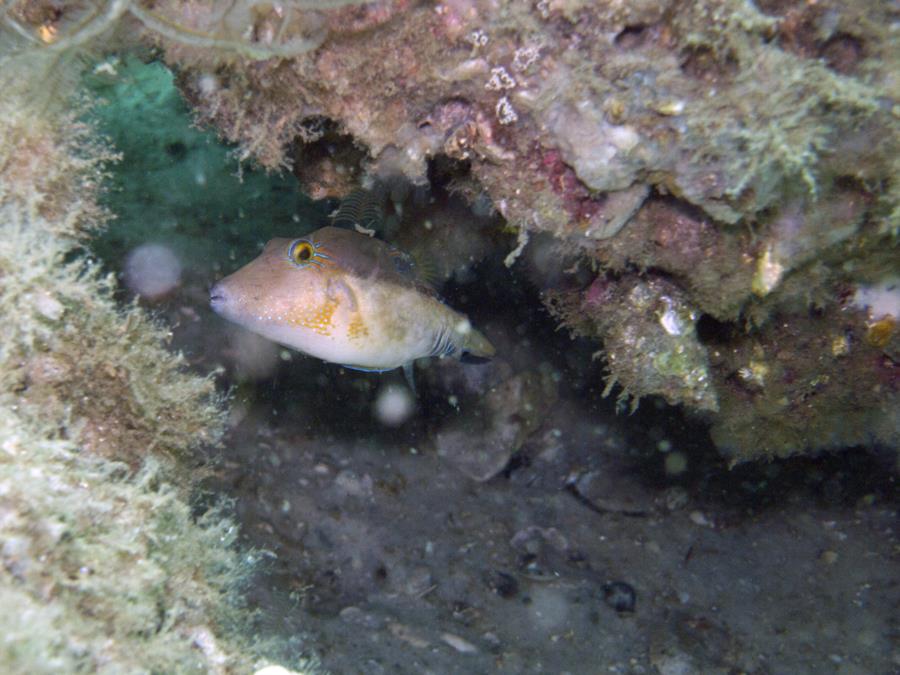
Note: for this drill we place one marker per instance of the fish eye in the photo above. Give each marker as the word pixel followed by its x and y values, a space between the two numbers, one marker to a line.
pixel 301 252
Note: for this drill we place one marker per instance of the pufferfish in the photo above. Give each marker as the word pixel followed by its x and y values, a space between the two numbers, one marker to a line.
pixel 346 298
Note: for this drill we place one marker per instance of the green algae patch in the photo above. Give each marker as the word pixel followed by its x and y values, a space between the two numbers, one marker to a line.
pixel 179 186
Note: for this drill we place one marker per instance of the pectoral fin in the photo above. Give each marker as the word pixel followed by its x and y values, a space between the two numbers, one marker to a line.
pixel 410 376
pixel 338 289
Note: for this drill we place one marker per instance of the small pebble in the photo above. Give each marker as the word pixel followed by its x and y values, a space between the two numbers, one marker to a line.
pixel 676 498
pixel 357 617
pixel 699 518
pixel 460 645
pixel 828 557
pixel 349 484
pixel 276 670
pixel 418 581
pixel 620 596
pixel 532 569
pixel 408 635
pixel 501 583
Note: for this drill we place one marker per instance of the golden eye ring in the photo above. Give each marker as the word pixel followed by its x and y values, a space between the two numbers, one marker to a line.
pixel 301 252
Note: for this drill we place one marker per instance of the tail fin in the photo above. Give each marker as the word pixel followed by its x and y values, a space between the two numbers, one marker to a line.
pixel 475 347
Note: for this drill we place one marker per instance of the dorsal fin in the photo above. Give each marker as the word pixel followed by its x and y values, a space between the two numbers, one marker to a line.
pixel 425 267
pixel 411 267
pixel 368 257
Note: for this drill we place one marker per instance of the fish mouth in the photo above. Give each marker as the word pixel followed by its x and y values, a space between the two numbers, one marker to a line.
pixel 217 298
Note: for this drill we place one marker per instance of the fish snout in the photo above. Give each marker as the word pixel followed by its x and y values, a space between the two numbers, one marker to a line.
pixel 218 297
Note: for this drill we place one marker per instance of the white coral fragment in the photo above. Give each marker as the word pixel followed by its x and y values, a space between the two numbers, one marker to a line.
pixel 506 114
pixel 500 80
pixel 524 57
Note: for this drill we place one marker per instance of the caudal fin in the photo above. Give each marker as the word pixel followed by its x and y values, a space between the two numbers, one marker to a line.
pixel 475 347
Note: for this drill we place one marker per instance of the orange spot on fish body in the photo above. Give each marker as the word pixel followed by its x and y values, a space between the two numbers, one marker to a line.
pixel 357 329
pixel 319 319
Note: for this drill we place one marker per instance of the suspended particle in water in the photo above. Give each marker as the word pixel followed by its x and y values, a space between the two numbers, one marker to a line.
pixel 676 463
pixel 394 405
pixel 152 271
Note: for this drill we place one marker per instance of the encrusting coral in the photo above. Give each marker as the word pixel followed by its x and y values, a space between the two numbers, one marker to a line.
pixel 745 153
pixel 758 141
pixel 74 356
pixel 649 320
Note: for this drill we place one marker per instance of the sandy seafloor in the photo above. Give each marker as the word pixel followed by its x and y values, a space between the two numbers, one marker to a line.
pixel 394 560
pixel 607 544
pixel 404 565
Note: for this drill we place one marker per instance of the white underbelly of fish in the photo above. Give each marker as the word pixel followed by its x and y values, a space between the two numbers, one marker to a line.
pixel 373 351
